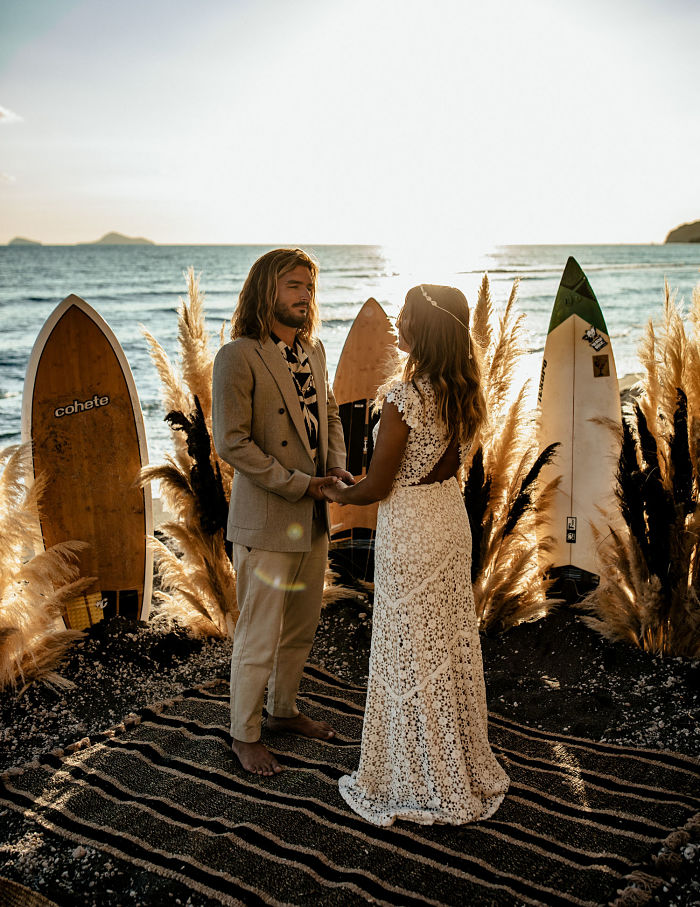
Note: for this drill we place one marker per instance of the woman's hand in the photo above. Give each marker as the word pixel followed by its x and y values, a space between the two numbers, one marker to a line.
pixel 318 485
pixel 334 492
pixel 386 459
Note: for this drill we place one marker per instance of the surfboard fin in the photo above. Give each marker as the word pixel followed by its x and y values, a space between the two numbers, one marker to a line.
pixel 85 611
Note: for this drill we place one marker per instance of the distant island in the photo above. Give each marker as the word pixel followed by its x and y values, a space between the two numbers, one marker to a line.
pixel 118 239
pixel 685 233
pixel 21 241
pixel 109 239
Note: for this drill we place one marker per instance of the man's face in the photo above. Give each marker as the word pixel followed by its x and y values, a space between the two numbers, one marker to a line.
pixel 294 292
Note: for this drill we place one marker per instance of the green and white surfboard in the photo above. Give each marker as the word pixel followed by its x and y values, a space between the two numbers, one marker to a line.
pixel 579 394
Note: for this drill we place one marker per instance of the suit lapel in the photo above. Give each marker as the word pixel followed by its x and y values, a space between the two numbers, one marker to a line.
pixel 279 370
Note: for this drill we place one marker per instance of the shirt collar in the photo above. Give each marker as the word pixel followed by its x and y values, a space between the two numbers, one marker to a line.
pixel 297 350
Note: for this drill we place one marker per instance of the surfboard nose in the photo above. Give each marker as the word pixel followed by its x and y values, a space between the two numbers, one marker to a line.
pixel 575 296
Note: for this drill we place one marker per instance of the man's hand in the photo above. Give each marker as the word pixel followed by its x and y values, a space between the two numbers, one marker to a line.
pixel 342 474
pixel 317 484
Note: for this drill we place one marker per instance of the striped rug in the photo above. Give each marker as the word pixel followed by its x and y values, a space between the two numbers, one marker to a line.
pixel 581 823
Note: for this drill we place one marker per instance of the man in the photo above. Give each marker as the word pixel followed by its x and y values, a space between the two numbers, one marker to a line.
pixel 275 420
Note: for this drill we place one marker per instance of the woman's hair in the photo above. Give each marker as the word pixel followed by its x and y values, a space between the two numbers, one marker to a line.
pixel 255 312
pixel 435 323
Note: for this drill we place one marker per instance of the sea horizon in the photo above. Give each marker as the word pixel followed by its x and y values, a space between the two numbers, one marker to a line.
pixel 324 244
pixel 130 285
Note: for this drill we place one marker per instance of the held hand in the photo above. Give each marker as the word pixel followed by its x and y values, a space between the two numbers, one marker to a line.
pixel 317 485
pixel 342 474
pixel 334 492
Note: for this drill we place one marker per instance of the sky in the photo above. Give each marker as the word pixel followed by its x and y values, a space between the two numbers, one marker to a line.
pixel 349 121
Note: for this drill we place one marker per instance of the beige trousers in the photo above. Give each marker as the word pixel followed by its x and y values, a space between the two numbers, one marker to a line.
pixel 279 597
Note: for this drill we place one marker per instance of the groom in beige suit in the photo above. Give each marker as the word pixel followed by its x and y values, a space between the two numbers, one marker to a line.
pixel 275 420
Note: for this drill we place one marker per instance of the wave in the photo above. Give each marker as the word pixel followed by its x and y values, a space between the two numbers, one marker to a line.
pixel 122 295
pixel 337 322
pixel 151 406
pixel 14 358
pixel 640 266
pixel 112 293
pixel 556 271
pixel 351 272
pixel 513 269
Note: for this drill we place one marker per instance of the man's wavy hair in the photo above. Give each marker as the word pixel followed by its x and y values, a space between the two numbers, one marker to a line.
pixel 440 345
pixel 255 312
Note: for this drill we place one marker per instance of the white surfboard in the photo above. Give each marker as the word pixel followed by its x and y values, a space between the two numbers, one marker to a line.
pixel 578 387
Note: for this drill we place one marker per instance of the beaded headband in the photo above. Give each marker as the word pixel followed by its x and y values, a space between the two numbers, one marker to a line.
pixel 442 309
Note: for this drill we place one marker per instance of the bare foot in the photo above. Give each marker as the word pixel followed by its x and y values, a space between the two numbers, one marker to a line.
pixel 256 758
pixel 302 725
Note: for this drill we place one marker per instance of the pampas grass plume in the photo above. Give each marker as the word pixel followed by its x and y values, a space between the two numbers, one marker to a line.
pixel 197 580
pixel 648 595
pixel 33 590
pixel 503 496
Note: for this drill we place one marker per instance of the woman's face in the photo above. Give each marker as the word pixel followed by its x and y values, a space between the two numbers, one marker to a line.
pixel 402 326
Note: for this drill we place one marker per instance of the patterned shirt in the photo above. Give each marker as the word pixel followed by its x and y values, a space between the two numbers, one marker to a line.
pixel 300 370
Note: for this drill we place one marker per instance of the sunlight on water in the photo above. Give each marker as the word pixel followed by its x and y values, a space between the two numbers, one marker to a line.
pixel 454 264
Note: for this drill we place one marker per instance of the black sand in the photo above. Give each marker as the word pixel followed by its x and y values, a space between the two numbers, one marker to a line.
pixel 555 674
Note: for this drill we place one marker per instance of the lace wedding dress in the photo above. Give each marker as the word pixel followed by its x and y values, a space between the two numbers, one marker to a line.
pixel 425 753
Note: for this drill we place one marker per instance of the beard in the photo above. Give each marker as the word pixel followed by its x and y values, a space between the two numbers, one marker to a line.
pixel 291 318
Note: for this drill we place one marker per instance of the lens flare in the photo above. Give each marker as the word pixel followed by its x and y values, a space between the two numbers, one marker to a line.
pixel 276 582
pixel 295 531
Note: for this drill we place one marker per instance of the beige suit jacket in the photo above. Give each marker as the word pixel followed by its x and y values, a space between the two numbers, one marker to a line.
pixel 258 428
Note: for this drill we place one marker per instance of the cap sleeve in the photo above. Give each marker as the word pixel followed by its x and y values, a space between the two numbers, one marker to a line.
pixel 406 399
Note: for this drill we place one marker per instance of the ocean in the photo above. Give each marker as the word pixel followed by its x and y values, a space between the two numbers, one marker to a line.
pixel 131 286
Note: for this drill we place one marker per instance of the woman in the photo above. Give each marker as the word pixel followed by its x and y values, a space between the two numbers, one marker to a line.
pixel 425 752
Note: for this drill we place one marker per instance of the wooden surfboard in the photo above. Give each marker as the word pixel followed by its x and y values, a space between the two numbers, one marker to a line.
pixel 81 411
pixel 366 361
pixel 578 387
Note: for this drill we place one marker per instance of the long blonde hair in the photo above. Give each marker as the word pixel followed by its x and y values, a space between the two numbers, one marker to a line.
pixel 255 312
pixel 442 351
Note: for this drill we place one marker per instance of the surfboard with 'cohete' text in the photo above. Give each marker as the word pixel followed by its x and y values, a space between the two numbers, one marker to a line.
pixel 81 412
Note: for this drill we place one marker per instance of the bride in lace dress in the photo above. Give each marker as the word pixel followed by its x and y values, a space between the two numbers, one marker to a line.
pixel 425 753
